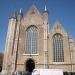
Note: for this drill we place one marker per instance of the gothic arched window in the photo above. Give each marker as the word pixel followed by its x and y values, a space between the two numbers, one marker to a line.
pixel 58 52
pixel 31 40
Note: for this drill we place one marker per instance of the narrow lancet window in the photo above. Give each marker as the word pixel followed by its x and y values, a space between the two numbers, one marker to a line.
pixel 58 52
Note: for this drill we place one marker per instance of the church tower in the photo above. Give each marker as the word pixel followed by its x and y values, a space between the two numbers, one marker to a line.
pixel 9 42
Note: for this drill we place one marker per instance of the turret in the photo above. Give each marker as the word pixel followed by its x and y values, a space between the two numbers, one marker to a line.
pixel 15 50
pixel 9 42
pixel 14 16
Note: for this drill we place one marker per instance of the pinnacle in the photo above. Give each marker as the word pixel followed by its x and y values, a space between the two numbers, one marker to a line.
pixel 20 11
pixel 57 24
pixel 13 15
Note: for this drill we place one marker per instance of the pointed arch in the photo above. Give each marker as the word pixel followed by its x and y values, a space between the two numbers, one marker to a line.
pixel 31 40
pixel 30 64
pixel 58 52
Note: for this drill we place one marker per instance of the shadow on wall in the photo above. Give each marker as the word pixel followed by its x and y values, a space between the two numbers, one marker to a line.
pixel 1 61
pixel 0 68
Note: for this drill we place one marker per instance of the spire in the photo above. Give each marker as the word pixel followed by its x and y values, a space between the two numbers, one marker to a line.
pixel 14 15
pixel 45 8
pixel 45 13
pixel 20 12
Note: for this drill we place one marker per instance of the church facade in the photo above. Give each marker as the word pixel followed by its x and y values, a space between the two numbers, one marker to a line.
pixel 30 43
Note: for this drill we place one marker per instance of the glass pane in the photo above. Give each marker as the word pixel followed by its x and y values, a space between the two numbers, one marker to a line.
pixel 31 40
pixel 58 48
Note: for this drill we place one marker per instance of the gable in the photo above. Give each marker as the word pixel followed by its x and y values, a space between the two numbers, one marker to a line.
pixel 57 28
pixel 33 11
pixel 33 17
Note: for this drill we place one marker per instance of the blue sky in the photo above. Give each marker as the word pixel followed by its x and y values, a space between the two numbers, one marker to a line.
pixel 62 10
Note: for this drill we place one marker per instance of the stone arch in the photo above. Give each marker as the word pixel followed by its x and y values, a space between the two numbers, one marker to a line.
pixel 30 64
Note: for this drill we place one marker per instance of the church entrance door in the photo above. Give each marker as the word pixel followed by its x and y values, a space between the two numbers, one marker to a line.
pixel 30 65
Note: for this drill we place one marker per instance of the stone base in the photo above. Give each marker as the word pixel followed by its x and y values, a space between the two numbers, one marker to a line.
pixel 4 72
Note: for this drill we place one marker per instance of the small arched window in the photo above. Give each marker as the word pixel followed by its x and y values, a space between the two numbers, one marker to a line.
pixel 58 52
pixel 31 40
